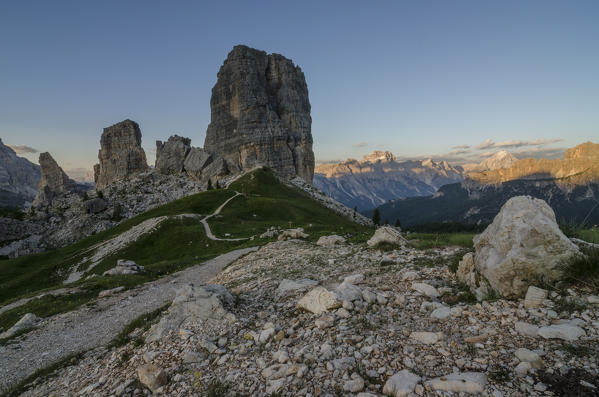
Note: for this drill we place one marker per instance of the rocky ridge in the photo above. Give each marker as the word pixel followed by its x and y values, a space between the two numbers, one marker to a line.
pixel 380 177
pixel 260 114
pixel 19 178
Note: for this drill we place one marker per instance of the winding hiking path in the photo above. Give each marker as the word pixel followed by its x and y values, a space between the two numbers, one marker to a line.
pixel 218 210
pixel 90 327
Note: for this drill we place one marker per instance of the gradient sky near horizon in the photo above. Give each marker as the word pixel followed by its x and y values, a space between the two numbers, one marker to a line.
pixel 418 78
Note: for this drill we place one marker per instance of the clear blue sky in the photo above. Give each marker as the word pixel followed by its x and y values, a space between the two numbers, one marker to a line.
pixel 416 77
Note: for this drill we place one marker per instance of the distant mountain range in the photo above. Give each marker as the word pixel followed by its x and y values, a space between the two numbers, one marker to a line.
pixel 569 185
pixel 379 177
pixel 19 178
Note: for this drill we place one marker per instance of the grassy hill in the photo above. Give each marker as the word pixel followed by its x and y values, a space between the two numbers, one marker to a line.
pixel 176 244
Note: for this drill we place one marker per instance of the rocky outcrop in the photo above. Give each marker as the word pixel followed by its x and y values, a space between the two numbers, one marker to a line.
pixel 570 186
pixel 171 154
pixel 54 182
pixel 522 246
pixel 260 114
pixel 19 178
pixel 580 165
pixel 121 154
pixel 380 177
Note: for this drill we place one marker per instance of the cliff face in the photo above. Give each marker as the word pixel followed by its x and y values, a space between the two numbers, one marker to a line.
pixel 379 177
pixel 19 178
pixel 120 153
pixel 260 114
pixel 54 182
pixel 171 154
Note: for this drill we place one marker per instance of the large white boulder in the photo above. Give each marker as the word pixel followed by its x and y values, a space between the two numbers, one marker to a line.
pixel 523 245
pixel 193 303
pixel 319 300
pixel 388 235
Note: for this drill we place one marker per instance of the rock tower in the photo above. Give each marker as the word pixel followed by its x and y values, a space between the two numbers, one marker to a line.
pixel 260 114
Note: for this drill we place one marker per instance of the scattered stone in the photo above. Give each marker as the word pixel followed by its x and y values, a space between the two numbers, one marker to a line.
pixel 426 289
pixel 441 313
pixel 152 376
pixel 529 356
pixel 466 382
pixel 286 286
pixel 526 329
pixel 354 385
pixel 566 332
pixel 329 241
pixel 292 234
pixel 319 300
pixel 348 292
pixel 428 338
pixel 534 297
pixel 401 384
pixel 386 235
pixel 109 292
pixel 124 266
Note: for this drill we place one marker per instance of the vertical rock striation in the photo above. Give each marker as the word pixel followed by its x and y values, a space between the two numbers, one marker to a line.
pixel 120 153
pixel 171 154
pixel 260 114
pixel 54 181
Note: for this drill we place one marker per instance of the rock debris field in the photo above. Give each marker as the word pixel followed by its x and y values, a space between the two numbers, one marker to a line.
pixel 338 319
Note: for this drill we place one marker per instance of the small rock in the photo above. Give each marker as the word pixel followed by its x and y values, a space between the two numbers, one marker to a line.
pixel 325 321
pixel 567 332
pixel 401 384
pixel 441 313
pixel 534 297
pixel 152 376
pixel 428 338
pixel 426 289
pixel 529 356
pixel 526 329
pixel 467 382
pixel 329 241
pixel 319 300
pixel 354 385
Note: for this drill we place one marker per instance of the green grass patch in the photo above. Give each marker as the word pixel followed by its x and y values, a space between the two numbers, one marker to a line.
pixel 439 240
pixel 175 245
pixel 584 270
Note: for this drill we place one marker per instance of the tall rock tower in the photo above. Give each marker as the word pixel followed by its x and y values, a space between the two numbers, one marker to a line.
pixel 260 114
pixel 120 153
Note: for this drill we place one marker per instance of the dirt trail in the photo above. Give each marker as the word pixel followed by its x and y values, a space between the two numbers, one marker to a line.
pixel 87 328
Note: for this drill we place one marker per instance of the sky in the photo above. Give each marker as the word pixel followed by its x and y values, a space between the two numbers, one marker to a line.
pixel 450 79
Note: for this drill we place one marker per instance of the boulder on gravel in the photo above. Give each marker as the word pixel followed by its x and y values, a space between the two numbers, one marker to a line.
pixel 193 303
pixel 386 235
pixel 124 266
pixel 152 376
pixel 292 234
pixel 286 286
pixel 329 241
pixel 28 321
pixel 401 384
pixel 319 300
pixel 522 245
pixel 465 382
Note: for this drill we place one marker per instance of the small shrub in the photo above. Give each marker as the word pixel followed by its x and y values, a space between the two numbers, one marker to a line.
pixel 499 374
pixel 584 269
pixel 216 388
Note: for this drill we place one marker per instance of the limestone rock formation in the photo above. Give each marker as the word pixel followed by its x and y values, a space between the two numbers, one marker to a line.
pixel 522 245
pixel 121 154
pixel 54 181
pixel 170 155
pixel 260 114
pixel 202 165
pixel 19 178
